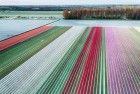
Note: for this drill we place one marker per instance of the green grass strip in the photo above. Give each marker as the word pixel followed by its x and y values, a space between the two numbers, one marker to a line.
pixel 18 54
pixel 103 77
pixel 100 86
pixel 56 81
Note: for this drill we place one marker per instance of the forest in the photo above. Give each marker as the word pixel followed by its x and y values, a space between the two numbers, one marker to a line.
pixel 106 13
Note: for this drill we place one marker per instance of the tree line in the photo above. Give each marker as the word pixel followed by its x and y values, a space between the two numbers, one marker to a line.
pixel 107 13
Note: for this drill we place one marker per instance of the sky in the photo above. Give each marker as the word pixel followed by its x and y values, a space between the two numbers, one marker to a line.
pixel 66 2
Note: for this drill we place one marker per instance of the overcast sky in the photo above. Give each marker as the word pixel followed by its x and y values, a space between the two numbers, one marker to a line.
pixel 66 2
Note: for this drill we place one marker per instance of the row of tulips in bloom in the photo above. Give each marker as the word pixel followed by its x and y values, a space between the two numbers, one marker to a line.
pixel 74 60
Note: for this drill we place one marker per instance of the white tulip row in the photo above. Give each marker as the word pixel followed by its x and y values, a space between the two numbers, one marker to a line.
pixel 137 28
pixel 30 76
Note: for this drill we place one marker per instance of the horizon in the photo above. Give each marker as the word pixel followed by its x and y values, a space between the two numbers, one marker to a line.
pixel 81 5
pixel 72 2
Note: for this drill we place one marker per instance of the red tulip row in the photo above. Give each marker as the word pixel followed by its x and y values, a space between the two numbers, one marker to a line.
pixel 88 59
pixel 22 37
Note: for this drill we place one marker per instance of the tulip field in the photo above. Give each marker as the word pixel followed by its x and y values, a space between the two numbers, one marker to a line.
pixel 71 60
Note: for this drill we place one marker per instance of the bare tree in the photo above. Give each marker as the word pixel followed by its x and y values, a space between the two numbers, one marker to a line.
pixel 107 13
